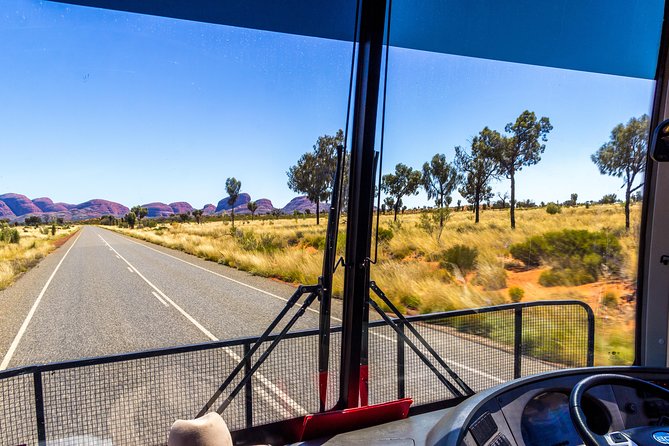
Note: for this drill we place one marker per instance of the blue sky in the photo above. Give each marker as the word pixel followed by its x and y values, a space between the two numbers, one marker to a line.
pixel 101 104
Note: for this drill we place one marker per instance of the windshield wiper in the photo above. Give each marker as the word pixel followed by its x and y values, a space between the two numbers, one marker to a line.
pixel 405 323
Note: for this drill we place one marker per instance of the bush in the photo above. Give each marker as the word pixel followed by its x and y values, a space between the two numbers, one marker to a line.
pixel 410 301
pixel 9 235
pixel 461 256
pixel 610 299
pixel 516 293
pixel 566 277
pixel 576 256
pixel 553 208
pixel 490 276
pixel 385 235
pixel 315 241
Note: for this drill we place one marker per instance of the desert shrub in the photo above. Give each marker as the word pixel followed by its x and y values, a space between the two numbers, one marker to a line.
pixel 516 293
pixel 315 241
pixel 461 256
pixel 385 234
pixel 490 276
pixel 610 299
pixel 476 324
pixel 9 235
pixel 410 301
pixel 576 256
pixel 565 277
pixel 553 208
pixel 268 243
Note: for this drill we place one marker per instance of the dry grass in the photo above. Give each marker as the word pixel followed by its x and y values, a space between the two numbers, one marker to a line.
pixel 15 259
pixel 409 268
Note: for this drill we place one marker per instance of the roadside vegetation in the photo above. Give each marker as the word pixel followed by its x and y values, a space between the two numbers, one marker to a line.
pixel 424 269
pixel 22 247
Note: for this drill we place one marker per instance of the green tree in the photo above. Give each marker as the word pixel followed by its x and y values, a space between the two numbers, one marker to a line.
pixel 253 207
pixel 131 219
pixel 573 199
pixel 184 217
pixel 197 214
pixel 523 147
pixel 405 181
pixel 624 156
pixel 232 187
pixel 33 220
pixel 440 178
pixel 314 172
pixel 608 199
pixel 140 212
pixel 389 203
pixel 478 168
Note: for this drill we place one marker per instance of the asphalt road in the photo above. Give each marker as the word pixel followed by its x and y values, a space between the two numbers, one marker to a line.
pixel 102 300
pixel 103 293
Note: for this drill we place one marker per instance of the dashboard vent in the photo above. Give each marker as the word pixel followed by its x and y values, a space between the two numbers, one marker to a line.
pixel 483 429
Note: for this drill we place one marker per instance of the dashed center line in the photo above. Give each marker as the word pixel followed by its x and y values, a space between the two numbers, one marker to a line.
pixel 266 382
pixel 378 335
pixel 131 270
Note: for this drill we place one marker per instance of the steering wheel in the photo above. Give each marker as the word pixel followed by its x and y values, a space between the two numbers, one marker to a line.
pixel 641 436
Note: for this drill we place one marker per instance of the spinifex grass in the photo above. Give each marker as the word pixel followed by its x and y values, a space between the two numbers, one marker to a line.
pixel 413 261
pixel 34 245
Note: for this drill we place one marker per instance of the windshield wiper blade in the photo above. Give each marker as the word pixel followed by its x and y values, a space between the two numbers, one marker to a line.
pixel 467 390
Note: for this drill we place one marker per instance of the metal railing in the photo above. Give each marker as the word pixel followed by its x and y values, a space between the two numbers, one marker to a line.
pixel 134 398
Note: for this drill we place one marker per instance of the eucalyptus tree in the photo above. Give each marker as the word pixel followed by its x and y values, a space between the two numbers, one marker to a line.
pixel 624 156
pixel 314 172
pixel 478 168
pixel 404 182
pixel 440 178
pixel 253 207
pixel 197 214
pixel 522 147
pixel 140 212
pixel 232 187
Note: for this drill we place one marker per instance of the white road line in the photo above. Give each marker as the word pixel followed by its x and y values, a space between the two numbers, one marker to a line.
pixel 131 270
pixel 278 392
pixel 476 371
pixel 159 298
pixel 472 370
pixel 118 257
pixel 24 326
pixel 222 276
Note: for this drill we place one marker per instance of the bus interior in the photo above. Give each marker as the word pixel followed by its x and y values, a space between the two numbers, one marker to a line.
pixel 380 374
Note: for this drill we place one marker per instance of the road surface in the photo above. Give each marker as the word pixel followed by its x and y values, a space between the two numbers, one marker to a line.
pixel 113 294
pixel 103 293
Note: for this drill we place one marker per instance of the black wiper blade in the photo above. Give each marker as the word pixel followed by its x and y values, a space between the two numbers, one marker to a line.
pixel 460 382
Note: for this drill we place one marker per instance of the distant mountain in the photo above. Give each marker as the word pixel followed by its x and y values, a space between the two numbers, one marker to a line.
pixel 6 211
pixel 265 206
pixel 47 205
pixel 181 207
pixel 20 204
pixel 301 204
pixel 158 210
pixel 241 200
pixel 17 207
